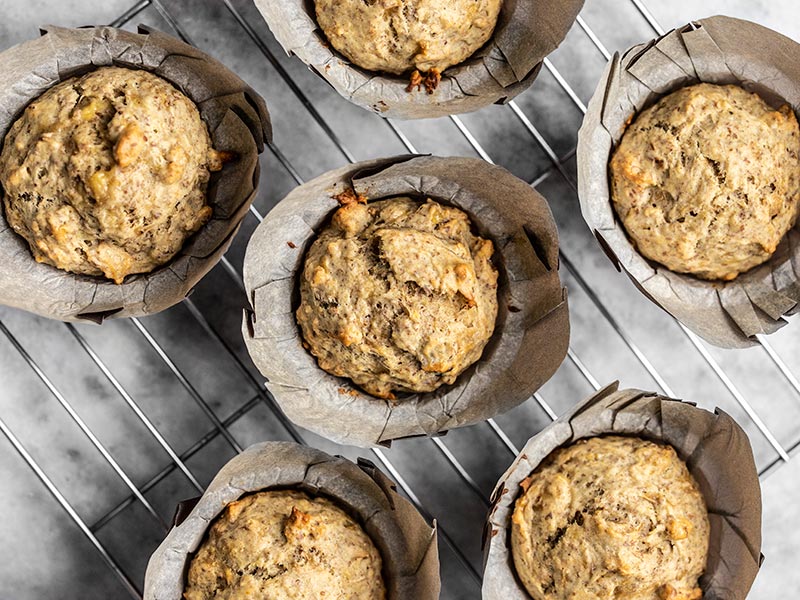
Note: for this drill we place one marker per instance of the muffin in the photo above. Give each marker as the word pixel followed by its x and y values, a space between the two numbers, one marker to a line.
pixel 106 174
pixel 398 36
pixel 398 295
pixel 707 180
pixel 285 545
pixel 611 517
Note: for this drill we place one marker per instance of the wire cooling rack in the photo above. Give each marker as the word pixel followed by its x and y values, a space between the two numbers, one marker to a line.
pixel 121 422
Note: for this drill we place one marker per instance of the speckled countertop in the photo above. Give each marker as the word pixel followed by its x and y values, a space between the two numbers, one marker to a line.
pixel 188 374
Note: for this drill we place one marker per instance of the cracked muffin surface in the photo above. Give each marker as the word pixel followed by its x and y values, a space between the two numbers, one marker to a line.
pixel 285 545
pixel 397 36
pixel 106 174
pixel 398 295
pixel 707 180
pixel 611 517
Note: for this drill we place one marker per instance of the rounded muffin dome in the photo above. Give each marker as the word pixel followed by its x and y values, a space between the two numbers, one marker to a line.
pixel 707 181
pixel 397 36
pixel 398 295
pixel 611 517
pixel 285 545
pixel 106 174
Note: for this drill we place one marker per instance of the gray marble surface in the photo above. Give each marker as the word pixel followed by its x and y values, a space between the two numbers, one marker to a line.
pixel 208 378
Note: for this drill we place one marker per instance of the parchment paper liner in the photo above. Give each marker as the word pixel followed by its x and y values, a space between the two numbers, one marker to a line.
pixel 530 339
pixel 715 50
pixel 528 30
pixel 406 543
pixel 237 120
pixel 714 447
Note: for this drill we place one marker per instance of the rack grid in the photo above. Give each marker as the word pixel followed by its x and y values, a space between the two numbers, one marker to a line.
pixel 154 456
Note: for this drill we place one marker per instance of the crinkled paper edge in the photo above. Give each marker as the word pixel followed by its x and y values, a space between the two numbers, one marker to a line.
pixel 718 50
pixel 716 450
pixel 407 544
pixel 237 119
pixel 530 339
pixel 528 30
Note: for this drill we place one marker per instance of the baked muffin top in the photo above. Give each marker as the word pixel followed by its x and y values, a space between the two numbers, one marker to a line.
pixel 611 517
pixel 397 36
pixel 398 295
pixel 707 180
pixel 285 545
pixel 106 174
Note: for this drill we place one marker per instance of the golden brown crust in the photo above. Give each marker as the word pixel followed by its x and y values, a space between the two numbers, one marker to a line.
pixel 398 36
pixel 707 181
pixel 285 545
pixel 611 517
pixel 106 174
pixel 398 295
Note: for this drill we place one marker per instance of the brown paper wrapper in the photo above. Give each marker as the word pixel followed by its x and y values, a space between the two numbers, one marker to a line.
pixel 531 333
pixel 718 50
pixel 407 544
pixel 237 120
pixel 714 447
pixel 527 31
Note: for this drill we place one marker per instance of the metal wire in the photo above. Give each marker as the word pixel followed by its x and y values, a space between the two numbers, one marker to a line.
pixel 773 465
pixel 462 472
pixel 134 406
pixel 503 437
pixel 130 13
pixel 170 468
pixel 129 586
pixel 723 377
pixel 545 406
pixel 648 17
pixel 407 489
pixel 564 85
pixel 187 385
pixel 76 418
pixel 593 36
pixel 582 368
pixel 782 366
